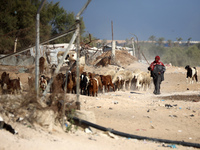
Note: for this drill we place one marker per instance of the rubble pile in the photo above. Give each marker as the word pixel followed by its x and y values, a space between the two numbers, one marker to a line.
pixel 122 58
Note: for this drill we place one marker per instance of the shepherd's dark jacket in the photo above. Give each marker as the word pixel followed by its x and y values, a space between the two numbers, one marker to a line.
pixel 155 68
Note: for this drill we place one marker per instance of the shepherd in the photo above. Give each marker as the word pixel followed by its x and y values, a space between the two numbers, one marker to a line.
pixel 157 69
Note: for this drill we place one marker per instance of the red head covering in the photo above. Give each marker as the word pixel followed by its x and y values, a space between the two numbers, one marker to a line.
pixel 156 62
pixel 157 58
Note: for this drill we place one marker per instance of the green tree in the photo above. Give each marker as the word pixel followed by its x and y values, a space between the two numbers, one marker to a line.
pixel 160 41
pixel 19 23
pixel 176 56
pixel 61 21
pixel 18 20
pixel 179 41
pixel 169 43
pixel 188 41
pixel 193 55
pixel 152 38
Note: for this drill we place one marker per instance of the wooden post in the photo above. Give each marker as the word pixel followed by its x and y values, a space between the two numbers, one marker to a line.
pixel 77 65
pixel 113 46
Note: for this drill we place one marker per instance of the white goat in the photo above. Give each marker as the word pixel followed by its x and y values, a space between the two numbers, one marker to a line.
pixel 143 81
pixel 122 79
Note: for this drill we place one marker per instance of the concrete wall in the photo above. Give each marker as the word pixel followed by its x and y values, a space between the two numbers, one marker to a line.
pixel 19 60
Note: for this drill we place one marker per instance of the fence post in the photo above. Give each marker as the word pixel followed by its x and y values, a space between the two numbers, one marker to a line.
pixel 37 48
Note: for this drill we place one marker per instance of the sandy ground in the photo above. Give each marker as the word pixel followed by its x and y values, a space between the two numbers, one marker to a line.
pixel 134 112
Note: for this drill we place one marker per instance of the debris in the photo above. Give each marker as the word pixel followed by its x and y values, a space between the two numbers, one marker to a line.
pixel 172 116
pixel 145 142
pixel 179 130
pixel 148 110
pixel 188 108
pixel 11 115
pixel 98 106
pixel 1 122
pixel 168 105
pixel 144 130
pixel 137 129
pixel 88 130
pixel 152 127
pixel 1 119
pixel 90 138
pixel 112 135
pixel 195 101
pixel 116 95
pixel 191 115
pixel 146 116
pixel 141 129
pixel 19 119
pixel 171 145
pixel 115 102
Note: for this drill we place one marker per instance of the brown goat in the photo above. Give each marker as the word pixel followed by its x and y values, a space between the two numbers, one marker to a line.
pixel 42 65
pixel 107 82
pixel 74 78
pixel 100 85
pixel 92 87
pixel 12 85
pixel 70 83
pixel 58 82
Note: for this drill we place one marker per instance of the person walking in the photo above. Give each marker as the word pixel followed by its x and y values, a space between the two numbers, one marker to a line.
pixel 157 69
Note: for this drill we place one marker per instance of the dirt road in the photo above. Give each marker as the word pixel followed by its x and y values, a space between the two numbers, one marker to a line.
pixel 173 115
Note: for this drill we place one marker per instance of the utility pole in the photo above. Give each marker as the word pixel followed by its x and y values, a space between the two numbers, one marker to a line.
pixel 113 45
pixel 37 48
pixel 77 64
pixel 78 53
pixel 133 41
pixel 15 46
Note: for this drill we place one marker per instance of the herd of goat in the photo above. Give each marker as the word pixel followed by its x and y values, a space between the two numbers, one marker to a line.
pixel 90 83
